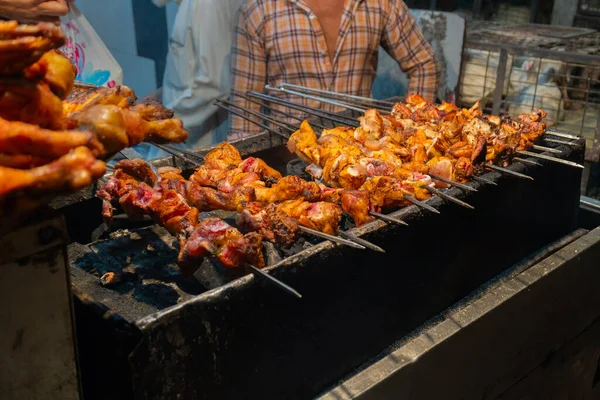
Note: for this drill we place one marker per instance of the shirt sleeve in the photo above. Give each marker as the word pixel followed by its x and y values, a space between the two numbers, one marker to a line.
pixel 248 69
pixel 403 40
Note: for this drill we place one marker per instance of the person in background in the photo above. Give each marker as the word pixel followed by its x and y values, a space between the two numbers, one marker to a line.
pixel 330 45
pixel 33 11
pixel 197 70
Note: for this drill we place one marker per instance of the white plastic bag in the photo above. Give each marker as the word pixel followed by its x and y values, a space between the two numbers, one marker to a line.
pixel 95 64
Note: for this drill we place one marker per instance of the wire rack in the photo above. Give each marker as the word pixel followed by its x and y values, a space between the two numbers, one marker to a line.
pixel 520 68
pixel 525 67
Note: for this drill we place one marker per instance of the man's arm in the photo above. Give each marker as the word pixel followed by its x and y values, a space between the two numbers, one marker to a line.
pixel 248 69
pixel 403 40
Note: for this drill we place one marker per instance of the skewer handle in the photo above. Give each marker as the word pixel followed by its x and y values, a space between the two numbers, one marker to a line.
pixel 421 204
pixel 448 197
pixel 361 241
pixel 452 183
pixel 275 281
pixel 334 239
pixel 549 158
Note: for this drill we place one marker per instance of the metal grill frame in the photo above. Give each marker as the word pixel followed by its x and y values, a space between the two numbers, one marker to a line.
pixel 243 326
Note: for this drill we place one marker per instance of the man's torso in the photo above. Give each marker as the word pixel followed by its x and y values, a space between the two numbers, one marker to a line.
pixel 317 48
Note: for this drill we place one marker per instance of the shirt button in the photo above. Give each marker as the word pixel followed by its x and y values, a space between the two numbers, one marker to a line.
pixel 312 16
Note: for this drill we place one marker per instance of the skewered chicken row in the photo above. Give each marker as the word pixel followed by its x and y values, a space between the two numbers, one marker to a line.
pixel 229 171
pixel 345 165
pixel 276 222
pixel 270 209
pixel 418 137
pixel 197 238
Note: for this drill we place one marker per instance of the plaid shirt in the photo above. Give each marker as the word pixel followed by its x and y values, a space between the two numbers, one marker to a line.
pixel 282 41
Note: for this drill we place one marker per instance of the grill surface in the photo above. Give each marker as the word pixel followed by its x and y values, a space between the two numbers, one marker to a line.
pixel 248 340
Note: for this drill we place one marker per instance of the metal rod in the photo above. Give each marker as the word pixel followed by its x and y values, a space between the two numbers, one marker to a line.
pixel 452 183
pixel 332 238
pixel 387 218
pixel 448 197
pixel 340 119
pixel 589 202
pixel 562 135
pixel 272 109
pixel 500 76
pixel 320 99
pixel 508 171
pixel 275 281
pixel 239 114
pixel 175 153
pixel 549 158
pixel 361 241
pixel 548 149
pixel 264 116
pixel 259 115
pixel 557 141
pixel 186 152
pixel 348 96
pixel 484 180
pixel 421 204
pixel 526 161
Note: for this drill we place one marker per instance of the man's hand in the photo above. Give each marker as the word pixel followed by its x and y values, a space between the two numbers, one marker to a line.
pixel 32 11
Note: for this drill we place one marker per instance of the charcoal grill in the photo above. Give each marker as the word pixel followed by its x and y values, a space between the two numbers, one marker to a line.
pixel 159 335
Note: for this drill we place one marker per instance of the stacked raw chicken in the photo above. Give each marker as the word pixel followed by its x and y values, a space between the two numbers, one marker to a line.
pixel 50 144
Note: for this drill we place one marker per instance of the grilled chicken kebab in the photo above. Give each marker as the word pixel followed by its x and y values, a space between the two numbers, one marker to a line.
pixel 391 156
pixel 147 194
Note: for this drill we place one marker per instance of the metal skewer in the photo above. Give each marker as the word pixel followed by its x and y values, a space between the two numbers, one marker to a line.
pixel 361 241
pixel 340 119
pixel 526 161
pixel 452 183
pixel 348 96
pixel 176 153
pixel 387 218
pixel 549 158
pixel 274 280
pixel 272 109
pixel 421 204
pixel 548 149
pixel 186 152
pixel 562 135
pixel 484 180
pixel 508 171
pixel 258 114
pixel 332 238
pixel 320 99
pixel 448 197
pixel 241 115
pixel 557 141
